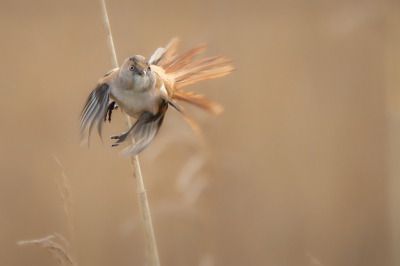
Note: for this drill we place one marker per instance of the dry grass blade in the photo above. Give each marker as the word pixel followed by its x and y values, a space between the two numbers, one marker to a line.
pixel 59 252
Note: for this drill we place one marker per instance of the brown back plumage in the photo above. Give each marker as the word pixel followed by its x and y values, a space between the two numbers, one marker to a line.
pixel 180 71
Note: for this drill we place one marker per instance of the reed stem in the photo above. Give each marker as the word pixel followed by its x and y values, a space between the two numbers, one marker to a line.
pixel 152 253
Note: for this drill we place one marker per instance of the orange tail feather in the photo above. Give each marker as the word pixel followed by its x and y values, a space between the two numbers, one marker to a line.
pixel 180 71
pixel 198 100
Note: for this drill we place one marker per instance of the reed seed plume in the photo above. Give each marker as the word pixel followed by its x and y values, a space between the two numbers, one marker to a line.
pixel 55 244
pixel 66 197
pixel 58 251
pixel 65 191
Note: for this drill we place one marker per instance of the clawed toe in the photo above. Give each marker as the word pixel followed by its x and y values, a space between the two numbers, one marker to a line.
pixel 111 106
pixel 120 138
pixel 116 143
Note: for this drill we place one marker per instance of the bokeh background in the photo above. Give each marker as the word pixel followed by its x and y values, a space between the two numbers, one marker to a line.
pixel 302 167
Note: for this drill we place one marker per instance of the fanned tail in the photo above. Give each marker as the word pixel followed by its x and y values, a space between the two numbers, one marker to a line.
pixel 198 100
pixel 209 68
pixel 181 71
pixel 181 61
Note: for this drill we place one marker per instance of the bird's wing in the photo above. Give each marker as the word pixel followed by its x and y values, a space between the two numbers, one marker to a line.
pixel 95 110
pixel 163 55
pixel 143 131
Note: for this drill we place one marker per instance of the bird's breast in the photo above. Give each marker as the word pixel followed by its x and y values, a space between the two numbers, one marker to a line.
pixel 136 103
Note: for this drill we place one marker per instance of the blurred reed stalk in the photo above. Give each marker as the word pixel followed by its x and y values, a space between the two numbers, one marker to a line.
pixel 137 175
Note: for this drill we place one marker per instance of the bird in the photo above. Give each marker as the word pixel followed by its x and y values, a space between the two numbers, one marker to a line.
pixel 145 88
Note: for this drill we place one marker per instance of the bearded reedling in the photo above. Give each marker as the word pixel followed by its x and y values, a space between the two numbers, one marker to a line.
pixel 145 88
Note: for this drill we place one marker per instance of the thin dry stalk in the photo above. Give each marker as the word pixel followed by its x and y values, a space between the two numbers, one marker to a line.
pixel 137 175
pixel 55 249
pixel 66 196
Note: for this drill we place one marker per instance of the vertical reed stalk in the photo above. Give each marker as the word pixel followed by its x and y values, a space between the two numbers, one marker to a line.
pixel 137 175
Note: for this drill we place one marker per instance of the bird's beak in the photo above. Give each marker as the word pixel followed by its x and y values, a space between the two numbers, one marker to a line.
pixel 142 73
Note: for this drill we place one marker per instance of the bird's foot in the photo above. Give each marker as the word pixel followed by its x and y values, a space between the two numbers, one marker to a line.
pixel 115 137
pixel 111 106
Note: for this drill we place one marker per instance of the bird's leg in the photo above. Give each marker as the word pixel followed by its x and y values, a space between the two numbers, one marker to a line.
pixel 116 136
pixel 111 106
pixel 120 138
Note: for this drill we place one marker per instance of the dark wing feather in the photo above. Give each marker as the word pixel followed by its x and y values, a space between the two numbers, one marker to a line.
pixel 95 109
pixel 143 131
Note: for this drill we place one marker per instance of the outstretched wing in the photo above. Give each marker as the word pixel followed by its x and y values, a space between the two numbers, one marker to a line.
pixel 95 110
pixel 143 131
pixel 163 55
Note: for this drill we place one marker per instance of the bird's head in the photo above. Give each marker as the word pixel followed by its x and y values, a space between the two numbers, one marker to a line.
pixel 137 70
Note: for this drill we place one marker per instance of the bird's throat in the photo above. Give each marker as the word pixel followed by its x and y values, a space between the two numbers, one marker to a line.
pixel 142 84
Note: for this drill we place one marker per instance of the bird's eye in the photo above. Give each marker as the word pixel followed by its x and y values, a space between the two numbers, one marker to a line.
pixel 131 68
pixel 149 68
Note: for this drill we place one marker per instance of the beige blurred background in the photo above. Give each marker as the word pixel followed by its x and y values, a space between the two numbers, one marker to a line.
pixel 302 167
